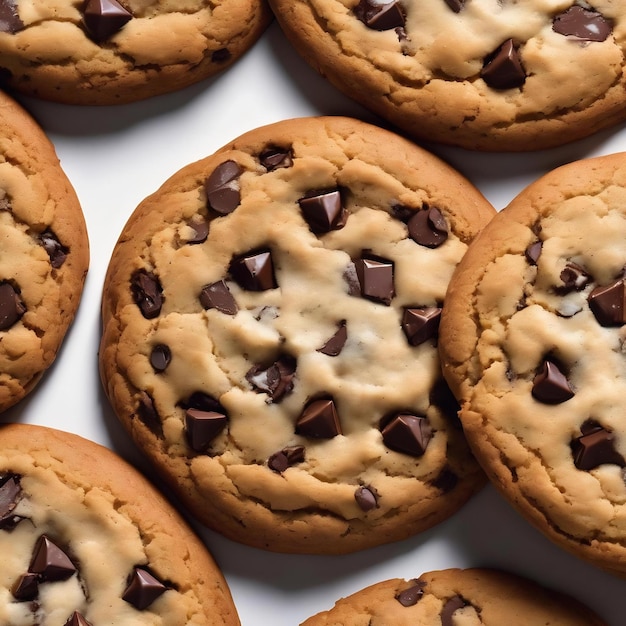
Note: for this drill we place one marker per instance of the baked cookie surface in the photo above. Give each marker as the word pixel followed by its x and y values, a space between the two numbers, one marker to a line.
pixel 532 343
pixel 44 253
pixel 269 336
pixel 109 52
pixel 87 540
pixel 481 74
pixel 455 597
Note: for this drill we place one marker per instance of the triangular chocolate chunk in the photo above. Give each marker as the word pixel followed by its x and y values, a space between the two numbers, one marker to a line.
pixel 595 447
pixel 324 211
pixel 103 18
pixel 503 68
pixel 217 295
pixel 202 427
pixel 254 271
pixel 76 619
pixel 376 278
pixel 319 420
pixel 335 344
pixel 222 187
pixel 10 495
pixel 143 589
pixel 608 304
pixel 551 385
pixel 407 433
pixel 50 562
pixel 26 588
pixel 421 323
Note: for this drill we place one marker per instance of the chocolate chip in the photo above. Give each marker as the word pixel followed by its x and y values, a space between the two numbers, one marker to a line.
pixel 221 55
pixel 503 68
pixel 380 16
pixel 573 277
pixel 276 158
pixel 335 344
pixel 11 306
pixel 323 211
pixel 160 357
pixel 319 420
pixel 9 19
pixel 200 228
pixel 104 18
pixel 202 427
pixel 285 458
pixel 608 304
pixel 49 562
pixel 428 227
pixel 202 401
pixel 582 23
pixel 254 270
pixel 276 380
pixel 10 495
pixel 222 187
pixel 26 587
pixel 456 5
pixel 446 481
pixel 421 323
pixel 533 252
pixel 408 433
pixel 451 605
pixel 76 619
pixel 366 498
pixel 55 249
pixel 411 595
pixel 147 293
pixel 550 385
pixel 596 446
pixel 147 413
pixel 143 589
pixel 376 280
pixel 217 296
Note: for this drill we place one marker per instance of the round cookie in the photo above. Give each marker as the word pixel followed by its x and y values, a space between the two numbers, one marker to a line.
pixel 45 253
pixel 480 74
pixel 472 597
pixel 532 342
pixel 270 319
pixel 85 539
pixel 109 52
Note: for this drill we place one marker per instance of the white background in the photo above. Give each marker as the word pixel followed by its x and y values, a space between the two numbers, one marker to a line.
pixel 115 156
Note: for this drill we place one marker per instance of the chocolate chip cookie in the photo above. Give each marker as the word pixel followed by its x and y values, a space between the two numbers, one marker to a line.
pixel 109 52
pixel 532 341
pixel 86 540
pixel 270 327
pixel 472 597
pixel 45 253
pixel 475 73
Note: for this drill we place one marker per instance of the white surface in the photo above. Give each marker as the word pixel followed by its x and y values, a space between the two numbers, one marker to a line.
pixel 115 156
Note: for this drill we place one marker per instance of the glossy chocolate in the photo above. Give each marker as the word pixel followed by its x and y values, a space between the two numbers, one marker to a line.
pixel 202 427
pixel 319 420
pixel 147 293
pixel 411 595
pixel 218 296
pixel 276 158
pixel 76 619
pixel 276 380
pixel 104 18
pixel 503 68
pixel 55 249
pixel 573 278
pixel 379 16
pixel 148 415
pixel 285 458
pixel 533 252
pixel 407 433
pixel 376 278
pixel 254 271
pixel 366 497
pixel 550 385
pixel 160 357
pixel 335 344
pixel 608 304
pixel 49 562
pixel 9 18
pixel 595 447
pixel 143 589
pixel 450 607
pixel 584 24
pixel 222 187
pixel 420 324
pixel 11 306
pixel 324 211
pixel 428 227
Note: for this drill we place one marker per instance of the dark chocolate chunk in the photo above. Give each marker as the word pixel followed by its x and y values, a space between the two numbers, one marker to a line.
pixel 147 293
pixel 319 420
pixel 11 306
pixel 276 158
pixel 375 276
pixel 254 270
pixel 10 495
pixel 76 619
pixel 366 497
pixel 421 323
pixel 200 229
pixel 147 413
pixel 408 433
pixel 217 296
pixel 336 343
pixel 143 589
pixel 503 68
pixel 222 187
pixel 550 385
pixel 451 605
pixel 26 587
pixel 276 380
pixel 596 446
pixel 285 458
pixel 104 18
pixel 202 401
pixel 428 227
pixel 50 562
pixel 582 23
pixel 446 481
pixel 10 21
pixel 574 278
pixel 533 252
pixel 608 304
pixel 202 427
pixel 411 595
pixel 160 357
pixel 456 5
pixel 221 55
pixel 380 16
pixel 324 211
pixel 55 249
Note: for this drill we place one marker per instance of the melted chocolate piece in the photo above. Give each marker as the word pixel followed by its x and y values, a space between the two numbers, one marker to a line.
pixel 10 495
pixel 200 229
pixel 503 68
pixel 583 24
pixel 143 589
pixel 451 605
pixel 411 595
pixel 254 271
pixel 375 277
pixel 319 420
pixel 428 227
pixel 11 306
pixel 366 497
pixel 222 187
pixel 147 293
pixel 55 249
pixel 76 619
pixel 104 18
pixel 202 401
pixel 9 19
pixel 26 588
pixel 160 357
pixel 217 296
pixel 276 158
pixel 446 481
pixel 148 414
pixel 276 380
pixel 533 252
pixel 380 16
pixel 49 562
pixel 407 433
pixel 574 278
pixel 596 446
pixel 335 344
pixel 285 458
pixel 421 324
pixel 202 427
pixel 324 211
pixel 456 5
pixel 221 55
pixel 608 304
pixel 550 385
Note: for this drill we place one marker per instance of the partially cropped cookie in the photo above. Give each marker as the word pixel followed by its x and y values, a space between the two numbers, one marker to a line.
pixel 454 597
pixel 45 253
pixel 476 73
pixel 86 539
pixel 110 52
pixel 532 341
pixel 270 328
